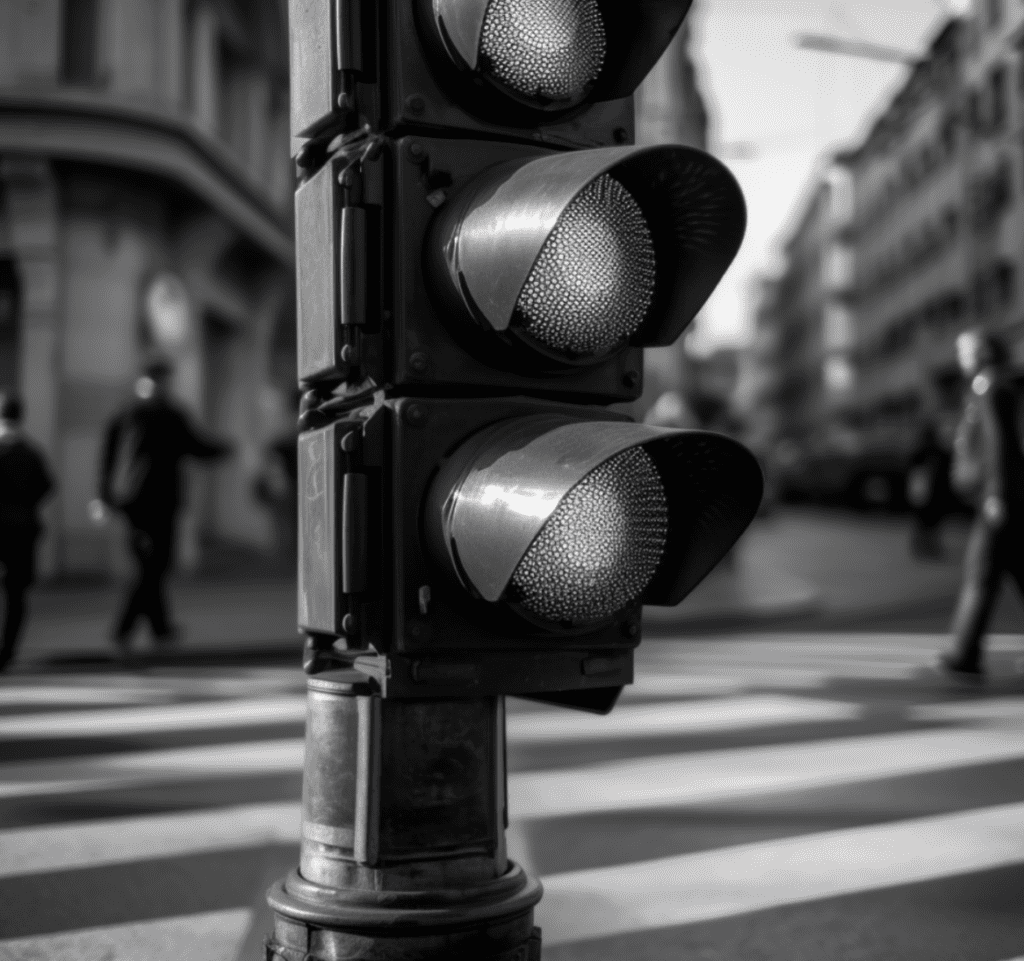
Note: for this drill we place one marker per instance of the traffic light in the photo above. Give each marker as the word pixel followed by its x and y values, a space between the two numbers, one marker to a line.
pixel 506 545
pixel 467 278
pixel 482 257
pixel 556 71
pixel 459 274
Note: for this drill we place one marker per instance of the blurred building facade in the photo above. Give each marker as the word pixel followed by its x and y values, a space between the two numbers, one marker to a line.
pixel 763 369
pixel 799 368
pixel 994 200
pixel 912 239
pixel 671 109
pixel 926 238
pixel 145 196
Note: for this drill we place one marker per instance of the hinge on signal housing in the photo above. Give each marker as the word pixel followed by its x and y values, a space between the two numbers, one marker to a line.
pixel 348 31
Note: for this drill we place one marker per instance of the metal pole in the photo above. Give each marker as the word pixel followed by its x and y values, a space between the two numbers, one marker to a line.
pixel 403 834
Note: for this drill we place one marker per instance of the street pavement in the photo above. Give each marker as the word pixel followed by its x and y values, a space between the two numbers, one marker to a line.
pixel 221 617
pixel 808 568
pixel 754 796
pixel 819 568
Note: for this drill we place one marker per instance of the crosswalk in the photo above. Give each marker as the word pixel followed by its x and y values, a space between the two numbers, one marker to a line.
pixel 768 796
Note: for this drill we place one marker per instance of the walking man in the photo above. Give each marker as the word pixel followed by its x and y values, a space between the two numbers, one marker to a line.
pixel 928 492
pixel 988 467
pixel 24 483
pixel 141 476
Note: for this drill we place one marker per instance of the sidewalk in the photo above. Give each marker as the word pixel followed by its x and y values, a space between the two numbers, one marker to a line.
pixel 223 619
pixel 829 566
pixel 805 567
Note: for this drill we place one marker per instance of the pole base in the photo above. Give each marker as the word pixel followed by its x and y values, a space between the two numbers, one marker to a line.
pixel 492 922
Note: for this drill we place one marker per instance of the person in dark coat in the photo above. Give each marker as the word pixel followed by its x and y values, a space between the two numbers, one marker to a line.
pixel 276 487
pixel 141 476
pixel 24 483
pixel 928 492
pixel 988 468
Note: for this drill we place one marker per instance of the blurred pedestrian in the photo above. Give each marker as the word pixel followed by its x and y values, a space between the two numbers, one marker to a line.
pixel 141 477
pixel 24 483
pixel 275 486
pixel 988 469
pixel 928 492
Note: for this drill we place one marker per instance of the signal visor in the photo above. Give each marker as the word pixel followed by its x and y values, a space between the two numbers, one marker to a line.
pixel 570 523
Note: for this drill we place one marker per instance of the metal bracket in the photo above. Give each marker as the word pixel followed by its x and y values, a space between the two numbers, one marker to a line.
pixel 357 147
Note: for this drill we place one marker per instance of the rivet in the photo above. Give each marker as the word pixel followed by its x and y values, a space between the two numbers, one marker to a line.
pixel 415 415
pixel 350 442
pixel 620 134
pixel 631 378
pixel 415 104
pixel 418 361
pixel 417 151
pixel 348 624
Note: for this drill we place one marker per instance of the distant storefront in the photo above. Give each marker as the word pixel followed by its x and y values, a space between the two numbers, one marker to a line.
pixel 141 214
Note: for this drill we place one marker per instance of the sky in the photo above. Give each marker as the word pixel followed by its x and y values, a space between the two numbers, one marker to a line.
pixel 792 107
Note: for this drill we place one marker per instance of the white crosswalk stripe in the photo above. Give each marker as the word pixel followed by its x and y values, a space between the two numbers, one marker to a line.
pixel 117 840
pixel 669 780
pixel 135 768
pixel 777 660
pixel 147 720
pixel 584 905
pixel 990 709
pixel 698 778
pixel 758 721
pixel 633 720
pixel 28 695
pixel 211 936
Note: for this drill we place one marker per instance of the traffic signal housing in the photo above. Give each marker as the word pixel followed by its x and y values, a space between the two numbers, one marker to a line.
pixel 510 268
pixel 485 257
pixel 556 71
pixel 507 545
pixel 482 257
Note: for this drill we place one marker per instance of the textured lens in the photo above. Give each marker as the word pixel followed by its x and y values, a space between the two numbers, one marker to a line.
pixel 593 281
pixel 600 548
pixel 548 50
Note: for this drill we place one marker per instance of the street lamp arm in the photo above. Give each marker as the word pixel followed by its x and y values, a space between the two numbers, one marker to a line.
pixel 826 43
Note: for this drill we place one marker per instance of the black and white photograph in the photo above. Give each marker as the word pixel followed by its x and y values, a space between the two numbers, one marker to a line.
pixel 511 480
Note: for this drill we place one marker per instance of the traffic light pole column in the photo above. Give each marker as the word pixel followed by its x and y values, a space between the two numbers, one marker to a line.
pixel 403 834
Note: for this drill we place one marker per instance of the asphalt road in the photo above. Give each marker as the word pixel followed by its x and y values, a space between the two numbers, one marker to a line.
pixel 754 796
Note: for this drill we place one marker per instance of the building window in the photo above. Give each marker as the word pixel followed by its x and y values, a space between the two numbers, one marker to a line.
pixel 9 302
pixel 838 328
pixel 997 94
pixel 838 374
pixel 1004 283
pixel 79 56
pixel 974 111
pixel 994 288
pixel 949 134
pixel 233 107
pixel 951 222
pixel 995 14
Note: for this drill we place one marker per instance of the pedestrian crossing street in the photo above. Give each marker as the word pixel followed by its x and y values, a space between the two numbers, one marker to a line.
pixel 768 796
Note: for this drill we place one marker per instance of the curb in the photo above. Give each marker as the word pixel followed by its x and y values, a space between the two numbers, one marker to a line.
pixel 739 598
pixel 284 653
